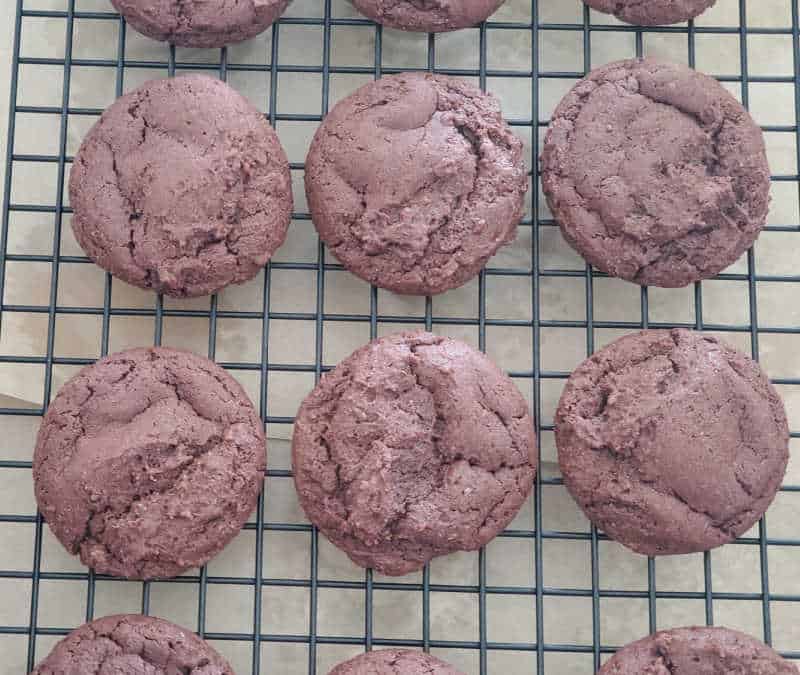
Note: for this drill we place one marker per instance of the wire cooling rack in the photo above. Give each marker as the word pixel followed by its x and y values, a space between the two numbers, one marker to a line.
pixel 476 614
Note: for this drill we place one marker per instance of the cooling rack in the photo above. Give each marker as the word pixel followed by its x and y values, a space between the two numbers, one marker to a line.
pixel 551 594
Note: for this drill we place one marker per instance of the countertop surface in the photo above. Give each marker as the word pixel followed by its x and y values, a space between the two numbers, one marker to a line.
pixel 8 11
pixel 568 304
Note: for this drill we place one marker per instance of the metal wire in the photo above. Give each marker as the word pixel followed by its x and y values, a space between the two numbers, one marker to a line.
pixel 537 646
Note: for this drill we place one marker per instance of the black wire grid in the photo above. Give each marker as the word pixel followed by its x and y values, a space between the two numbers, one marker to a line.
pixel 535 651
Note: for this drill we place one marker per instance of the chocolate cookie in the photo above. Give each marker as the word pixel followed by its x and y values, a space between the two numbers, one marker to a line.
pixel 414 446
pixel 655 173
pixel 671 441
pixel 652 12
pixel 394 662
pixel 430 17
pixel 181 186
pixel 149 462
pixel 415 181
pixel 134 645
pixel 210 23
pixel 697 650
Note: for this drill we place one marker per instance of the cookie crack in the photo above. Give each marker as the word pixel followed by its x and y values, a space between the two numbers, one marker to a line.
pixel 327 415
pixel 666 659
pixel 664 490
pixel 448 461
pixel 183 16
pixel 474 140
pixel 483 403
pixel 745 487
pixel 630 460
pixel 127 649
pixel 171 383
pixel 438 422
pixel 459 206
pixel 134 213
pixel 111 515
pixel 474 144
pixel 605 390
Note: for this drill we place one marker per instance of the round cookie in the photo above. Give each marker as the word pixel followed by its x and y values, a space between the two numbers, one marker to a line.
pixel 149 462
pixel 414 182
pixel 413 447
pixel 394 662
pixel 698 650
pixel 652 12
pixel 429 17
pixel 655 173
pixel 182 187
pixel 671 441
pixel 211 23
pixel 135 645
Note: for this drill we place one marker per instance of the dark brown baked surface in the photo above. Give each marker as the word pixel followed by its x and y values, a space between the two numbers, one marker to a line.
pixel 430 16
pixel 414 182
pixel 201 23
pixel 655 173
pixel 671 441
pixel 394 662
pixel 181 187
pixel 132 644
pixel 414 446
pixel 697 651
pixel 652 12
pixel 149 462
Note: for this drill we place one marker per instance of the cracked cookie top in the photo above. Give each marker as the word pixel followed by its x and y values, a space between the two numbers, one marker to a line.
pixel 671 441
pixel 655 173
pixel 394 662
pixel 135 645
pixel 201 23
pixel 149 462
pixel 182 187
pixel 414 446
pixel 652 12
pixel 430 16
pixel 683 651
pixel 414 182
